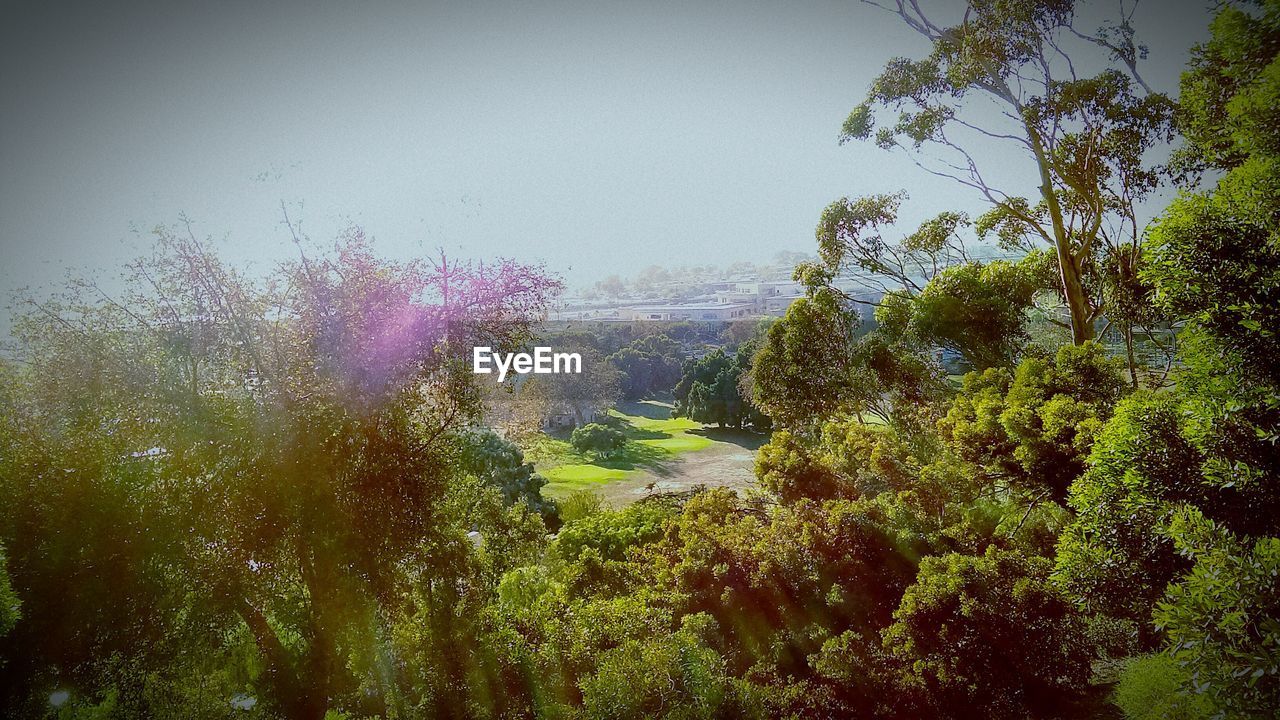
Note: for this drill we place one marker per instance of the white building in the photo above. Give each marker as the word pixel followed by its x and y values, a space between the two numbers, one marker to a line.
pixel 716 311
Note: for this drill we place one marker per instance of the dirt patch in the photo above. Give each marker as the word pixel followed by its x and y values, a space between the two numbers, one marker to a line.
pixel 723 464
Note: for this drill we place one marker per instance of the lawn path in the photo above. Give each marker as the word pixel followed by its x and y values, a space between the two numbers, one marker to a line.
pixel 665 454
pixel 720 464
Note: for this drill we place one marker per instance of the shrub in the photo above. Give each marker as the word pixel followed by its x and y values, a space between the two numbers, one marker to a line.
pixel 611 533
pixel 598 439
pixel 988 636
pixel 1152 688
pixel 580 504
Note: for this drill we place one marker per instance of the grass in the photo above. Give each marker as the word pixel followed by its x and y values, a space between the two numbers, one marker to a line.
pixel 564 479
pixel 653 438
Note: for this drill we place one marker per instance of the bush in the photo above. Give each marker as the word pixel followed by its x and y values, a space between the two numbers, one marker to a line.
pixel 1151 688
pixel 580 504
pixel 598 439
pixel 788 468
pixel 1036 425
pixel 672 676
pixel 500 463
pixel 611 533
pixel 1114 558
pixel 988 636
pixel 1222 620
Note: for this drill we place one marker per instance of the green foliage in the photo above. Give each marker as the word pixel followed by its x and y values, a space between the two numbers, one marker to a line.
pixel 802 369
pixel 247 466
pixel 978 310
pixel 214 489
pixel 786 466
pixel 1036 425
pixel 849 234
pixel 780 583
pixel 1088 137
pixel 869 459
pixel 988 636
pixel 610 533
pixel 816 362
pixel 500 463
pixel 710 390
pixel 579 504
pixel 1222 621
pixel 1214 257
pixel 1114 559
pixel 673 676
pixel 1215 261
pixel 596 438
pixel 10 605
pixel 934 295
pixel 1224 109
pixel 1154 687
pixel 649 365
pixel 1180 502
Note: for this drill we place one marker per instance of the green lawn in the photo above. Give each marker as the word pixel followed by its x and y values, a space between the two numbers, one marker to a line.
pixel 653 436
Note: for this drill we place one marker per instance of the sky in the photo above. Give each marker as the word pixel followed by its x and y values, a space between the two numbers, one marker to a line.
pixel 596 137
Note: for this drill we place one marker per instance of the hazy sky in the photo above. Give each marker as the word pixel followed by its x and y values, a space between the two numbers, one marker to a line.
pixel 598 137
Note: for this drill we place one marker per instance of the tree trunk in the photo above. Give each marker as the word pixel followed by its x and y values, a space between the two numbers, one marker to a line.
pixel 1128 348
pixel 1081 315
pixel 1069 264
pixel 283 684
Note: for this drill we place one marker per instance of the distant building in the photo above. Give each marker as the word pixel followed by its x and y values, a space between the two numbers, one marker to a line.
pixel 715 300
pixel 721 311
pixel 776 305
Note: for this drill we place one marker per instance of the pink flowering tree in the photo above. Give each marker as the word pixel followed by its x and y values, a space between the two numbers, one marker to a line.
pixel 244 462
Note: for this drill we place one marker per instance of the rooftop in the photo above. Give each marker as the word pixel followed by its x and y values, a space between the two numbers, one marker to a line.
pixel 690 306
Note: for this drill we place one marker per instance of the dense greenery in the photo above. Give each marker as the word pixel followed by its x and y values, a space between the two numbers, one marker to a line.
pixel 500 463
pixel 9 602
pixel 229 498
pixel 649 365
pixel 710 390
pixel 597 438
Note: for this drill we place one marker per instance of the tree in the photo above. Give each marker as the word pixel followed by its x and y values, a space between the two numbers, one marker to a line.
pixel 611 533
pixel 802 369
pixel 500 463
pixel 1214 260
pixel 519 409
pixel 250 466
pixel 978 310
pixel 670 675
pixel 710 390
pixel 596 438
pixel 586 394
pixel 780 583
pixel 1113 559
pixel 927 289
pixel 1182 499
pixel 1085 137
pixel 1151 687
pixel 612 286
pixel 1035 426
pixel 1222 619
pixel 851 236
pixel 787 467
pixel 648 365
pixel 988 637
